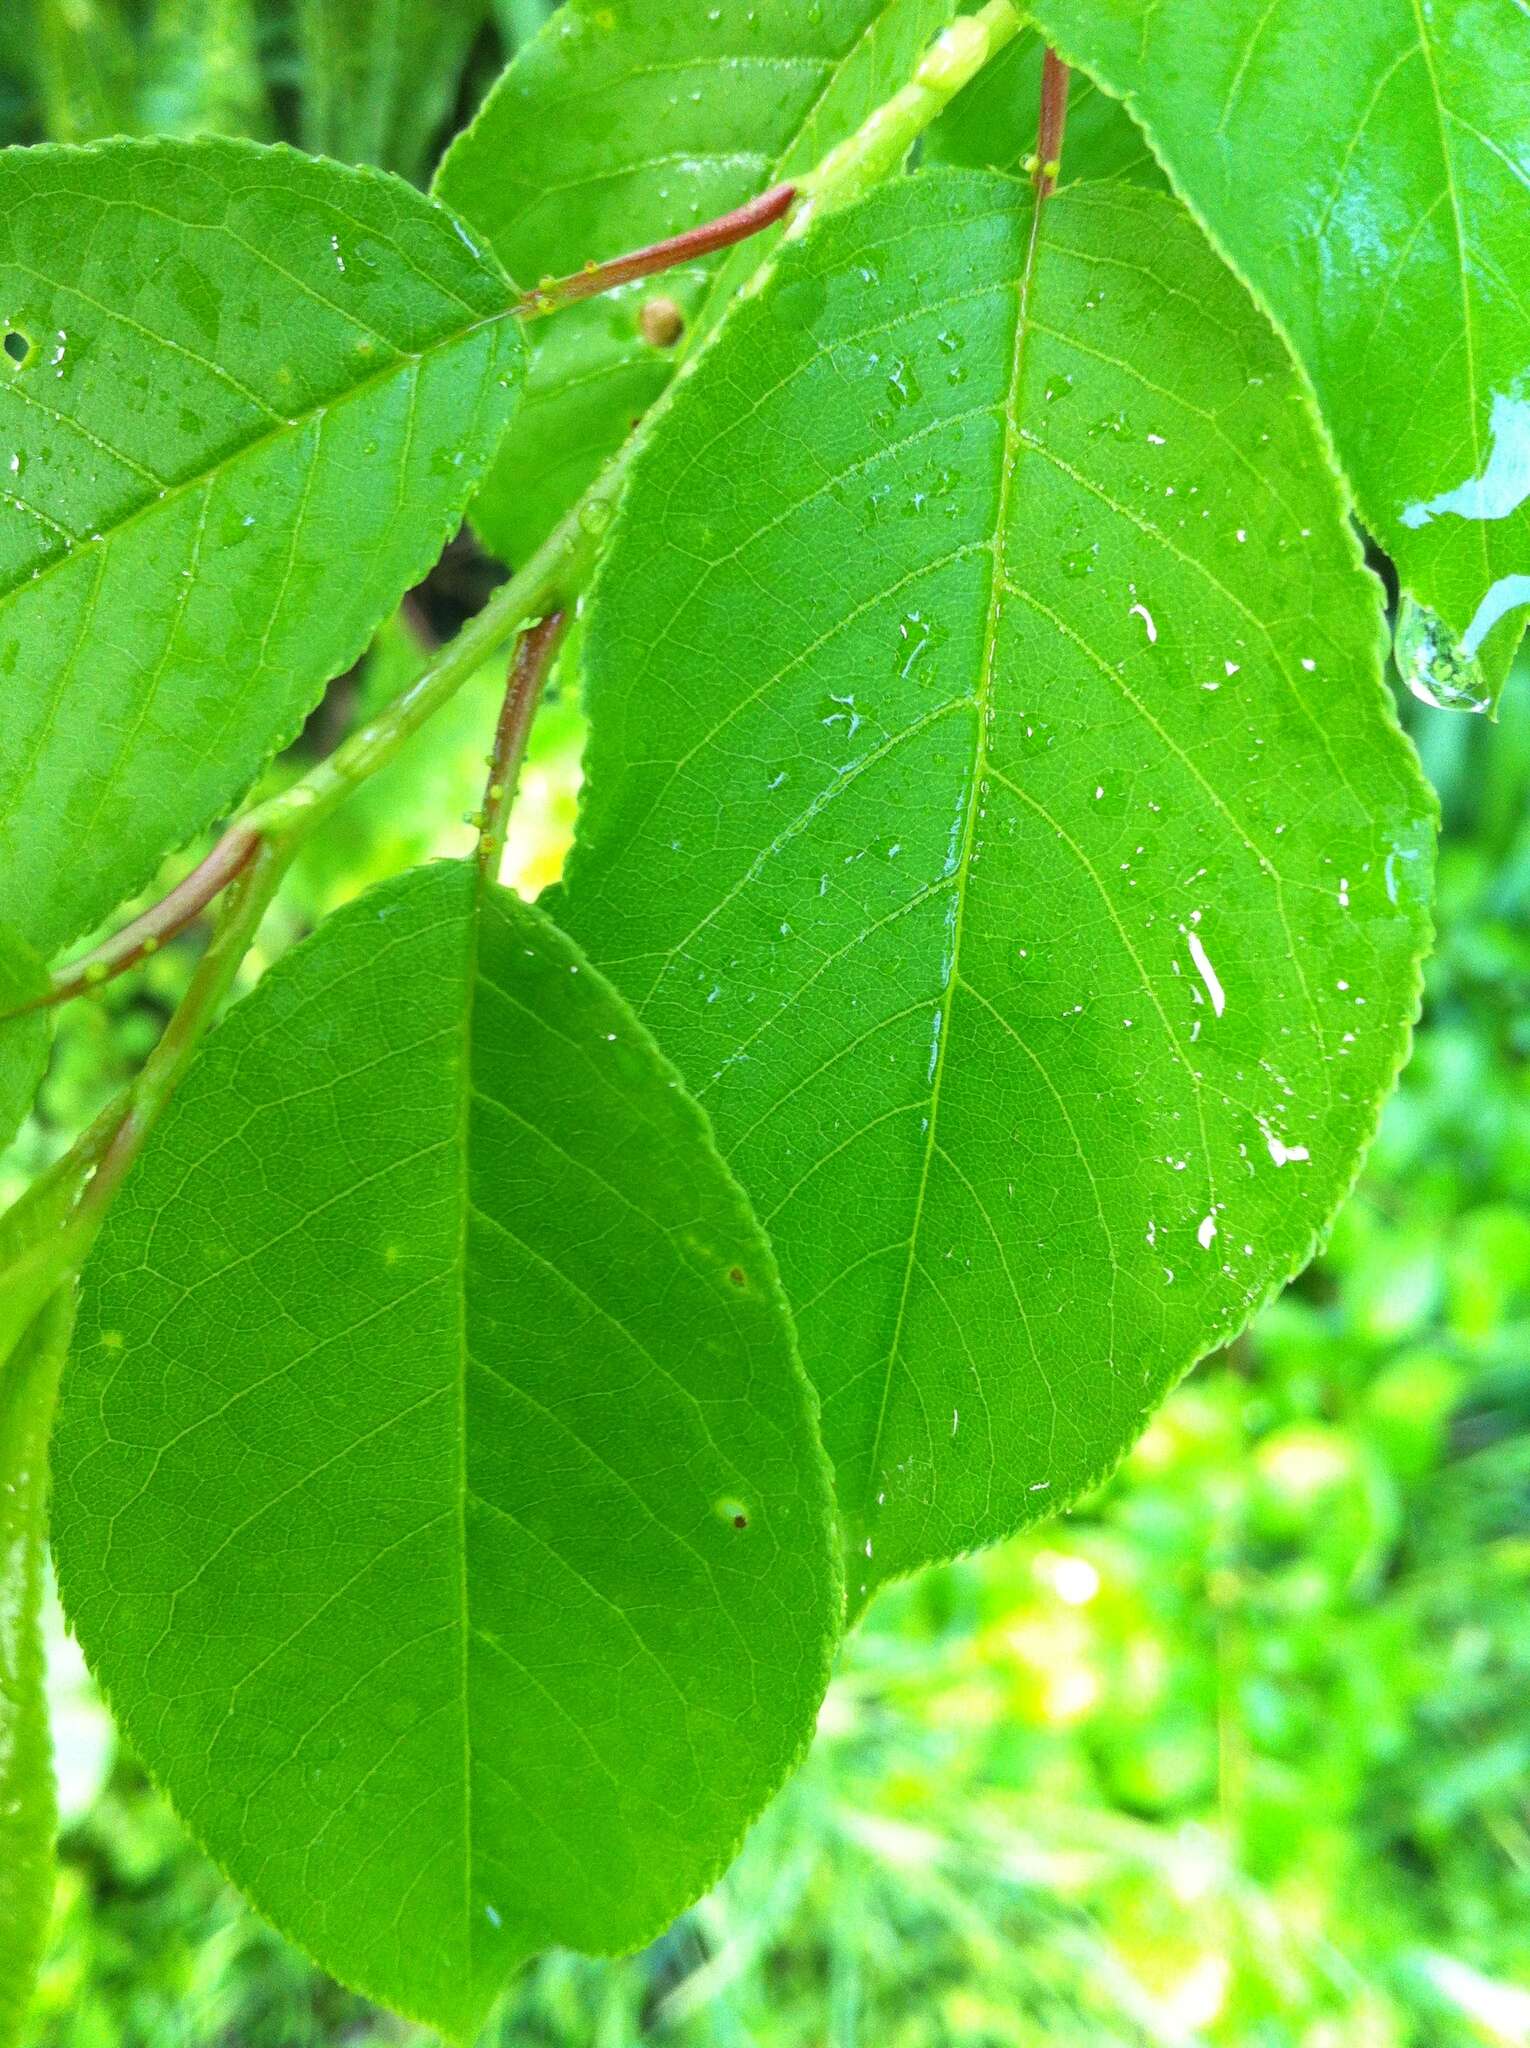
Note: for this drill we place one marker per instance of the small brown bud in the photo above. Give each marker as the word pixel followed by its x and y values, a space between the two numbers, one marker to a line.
pixel 662 323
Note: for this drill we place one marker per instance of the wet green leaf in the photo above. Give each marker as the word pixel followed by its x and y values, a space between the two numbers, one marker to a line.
pixel 995 809
pixel 244 400
pixel 619 124
pixel 28 1387
pixel 1365 168
pixel 438 1491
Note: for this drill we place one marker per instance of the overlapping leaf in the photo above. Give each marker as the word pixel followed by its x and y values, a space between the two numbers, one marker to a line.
pixel 244 399
pixel 995 810
pixel 438 1491
pixel 619 124
pixel 28 1387
pixel 1367 169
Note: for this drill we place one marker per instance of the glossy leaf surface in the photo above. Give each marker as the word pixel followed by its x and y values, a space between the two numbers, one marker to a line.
pixel 1366 169
pixel 28 1388
pixel 619 124
pixel 995 810
pixel 438 1493
pixel 244 400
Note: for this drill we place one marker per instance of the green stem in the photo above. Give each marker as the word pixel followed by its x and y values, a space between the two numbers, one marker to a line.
pixel 549 581
pixel 879 146
pixel 163 921
pixel 244 905
pixel 63 1235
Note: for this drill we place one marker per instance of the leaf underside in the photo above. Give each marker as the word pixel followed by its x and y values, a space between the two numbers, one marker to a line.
pixel 995 810
pixel 438 1494
pixel 257 394
pixel 28 1387
pixel 622 123
pixel 1365 168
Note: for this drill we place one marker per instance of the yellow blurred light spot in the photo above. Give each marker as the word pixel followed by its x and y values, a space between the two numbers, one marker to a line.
pixel 1198 1997
pixel 1076 1581
pixel 1073 1579
pixel 1306 1462
pixel 1069 1695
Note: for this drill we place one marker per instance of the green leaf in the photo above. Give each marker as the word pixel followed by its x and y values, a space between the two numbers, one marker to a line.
pixel 1365 168
pixel 995 810
pixel 439 1497
pixel 991 124
pixel 380 76
pixel 259 393
pixel 28 1387
pixel 622 123
pixel 23 1040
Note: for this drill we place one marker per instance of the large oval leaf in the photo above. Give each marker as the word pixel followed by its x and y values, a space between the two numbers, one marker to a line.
pixel 1366 169
pixel 439 1497
pixel 995 809
pixel 28 1388
pixel 623 122
pixel 253 396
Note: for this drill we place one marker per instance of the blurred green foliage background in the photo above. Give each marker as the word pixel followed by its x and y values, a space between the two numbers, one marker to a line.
pixel 1238 1753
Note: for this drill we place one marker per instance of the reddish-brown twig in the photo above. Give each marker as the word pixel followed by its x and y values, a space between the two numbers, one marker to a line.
pixel 529 669
pixel 712 235
pixel 146 934
pixel 1054 118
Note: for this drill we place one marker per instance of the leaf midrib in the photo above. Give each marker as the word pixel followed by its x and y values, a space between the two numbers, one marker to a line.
pixel 1009 465
pixel 465 1221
